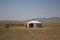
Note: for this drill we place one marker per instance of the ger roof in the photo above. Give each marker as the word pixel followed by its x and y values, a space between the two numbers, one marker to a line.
pixel 34 21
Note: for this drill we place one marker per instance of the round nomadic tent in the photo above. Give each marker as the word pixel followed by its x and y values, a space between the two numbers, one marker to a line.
pixel 34 23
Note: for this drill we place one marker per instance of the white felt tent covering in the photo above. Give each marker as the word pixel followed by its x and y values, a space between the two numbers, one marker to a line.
pixel 34 22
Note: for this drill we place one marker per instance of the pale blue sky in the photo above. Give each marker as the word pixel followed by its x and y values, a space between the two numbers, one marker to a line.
pixel 28 9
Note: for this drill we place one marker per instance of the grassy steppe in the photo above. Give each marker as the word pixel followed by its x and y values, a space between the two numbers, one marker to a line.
pixel 50 31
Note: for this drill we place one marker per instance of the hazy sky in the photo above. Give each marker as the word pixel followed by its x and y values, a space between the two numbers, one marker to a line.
pixel 28 9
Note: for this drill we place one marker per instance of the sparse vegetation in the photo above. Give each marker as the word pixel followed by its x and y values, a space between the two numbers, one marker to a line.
pixel 50 31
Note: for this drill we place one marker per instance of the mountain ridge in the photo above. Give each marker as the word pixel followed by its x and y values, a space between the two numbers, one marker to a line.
pixel 51 19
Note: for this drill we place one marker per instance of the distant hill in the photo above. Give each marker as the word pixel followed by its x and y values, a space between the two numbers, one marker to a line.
pixel 51 19
pixel 12 22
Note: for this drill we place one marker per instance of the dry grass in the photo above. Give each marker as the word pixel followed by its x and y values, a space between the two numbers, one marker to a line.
pixel 50 31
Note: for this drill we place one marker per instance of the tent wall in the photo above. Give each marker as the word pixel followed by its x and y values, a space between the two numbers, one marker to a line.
pixel 34 25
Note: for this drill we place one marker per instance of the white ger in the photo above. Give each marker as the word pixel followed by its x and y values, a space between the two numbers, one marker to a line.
pixel 34 23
